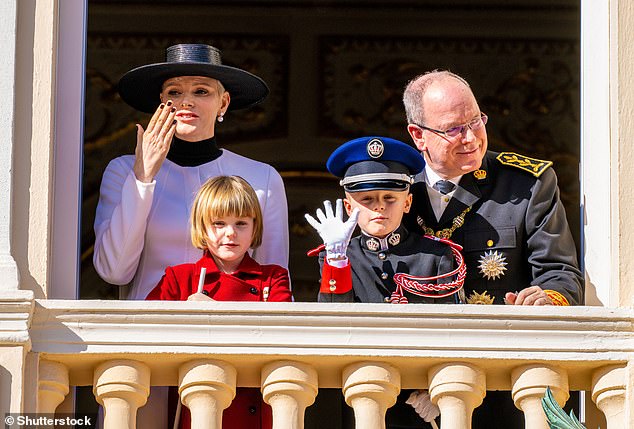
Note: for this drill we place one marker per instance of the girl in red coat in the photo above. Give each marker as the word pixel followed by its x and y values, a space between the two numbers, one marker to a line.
pixel 226 222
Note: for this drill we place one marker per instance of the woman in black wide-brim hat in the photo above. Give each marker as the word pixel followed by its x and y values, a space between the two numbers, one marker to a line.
pixel 141 224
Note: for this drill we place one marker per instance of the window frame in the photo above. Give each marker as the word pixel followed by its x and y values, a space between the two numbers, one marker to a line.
pixel 68 149
pixel 595 173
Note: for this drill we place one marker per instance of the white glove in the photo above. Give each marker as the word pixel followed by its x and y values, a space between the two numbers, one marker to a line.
pixel 421 402
pixel 333 230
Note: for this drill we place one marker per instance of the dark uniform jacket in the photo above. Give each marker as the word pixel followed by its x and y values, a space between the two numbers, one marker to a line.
pixel 515 211
pixel 371 270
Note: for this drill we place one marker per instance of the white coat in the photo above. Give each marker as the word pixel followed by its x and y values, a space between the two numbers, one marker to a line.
pixel 142 228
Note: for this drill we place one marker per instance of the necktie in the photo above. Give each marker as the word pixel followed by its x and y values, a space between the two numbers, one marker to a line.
pixel 444 186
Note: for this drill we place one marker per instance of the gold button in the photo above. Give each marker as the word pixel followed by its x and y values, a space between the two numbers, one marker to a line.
pixel 490 243
pixel 446 199
pixel 333 288
pixel 332 282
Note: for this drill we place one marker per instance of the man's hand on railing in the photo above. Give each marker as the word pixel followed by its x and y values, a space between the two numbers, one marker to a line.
pixel 533 295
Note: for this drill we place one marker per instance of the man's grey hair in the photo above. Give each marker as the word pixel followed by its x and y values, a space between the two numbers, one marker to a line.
pixel 416 89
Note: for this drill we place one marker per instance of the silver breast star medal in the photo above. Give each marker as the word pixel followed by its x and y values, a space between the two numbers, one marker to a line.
pixel 492 265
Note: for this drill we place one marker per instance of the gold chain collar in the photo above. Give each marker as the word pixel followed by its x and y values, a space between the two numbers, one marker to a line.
pixel 456 223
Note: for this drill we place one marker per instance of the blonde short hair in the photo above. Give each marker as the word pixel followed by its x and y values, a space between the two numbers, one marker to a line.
pixel 224 196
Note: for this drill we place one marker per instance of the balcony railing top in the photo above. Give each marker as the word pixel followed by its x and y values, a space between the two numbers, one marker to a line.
pixel 81 334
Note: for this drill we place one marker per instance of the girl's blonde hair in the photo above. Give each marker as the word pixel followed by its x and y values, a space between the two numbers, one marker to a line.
pixel 224 196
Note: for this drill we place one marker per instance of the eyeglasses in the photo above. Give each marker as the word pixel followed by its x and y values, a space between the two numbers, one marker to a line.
pixel 474 125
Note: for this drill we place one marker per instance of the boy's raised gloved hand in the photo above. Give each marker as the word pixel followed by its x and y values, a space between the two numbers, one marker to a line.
pixel 333 230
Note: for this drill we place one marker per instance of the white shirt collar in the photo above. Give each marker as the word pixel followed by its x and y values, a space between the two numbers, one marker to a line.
pixel 431 177
pixel 438 201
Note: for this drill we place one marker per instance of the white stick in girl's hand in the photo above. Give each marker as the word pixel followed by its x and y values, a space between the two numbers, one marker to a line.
pixel 201 281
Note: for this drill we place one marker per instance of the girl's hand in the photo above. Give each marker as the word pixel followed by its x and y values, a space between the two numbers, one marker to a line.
pixel 198 297
pixel 153 144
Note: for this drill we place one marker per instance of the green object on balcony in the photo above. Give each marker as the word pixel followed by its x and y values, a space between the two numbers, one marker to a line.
pixel 556 416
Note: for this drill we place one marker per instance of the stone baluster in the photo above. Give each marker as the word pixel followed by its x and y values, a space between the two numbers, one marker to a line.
pixel 289 387
pixel 609 387
pixel 457 389
pixel 529 387
pixel 207 387
pixel 52 386
pixel 370 388
pixel 121 386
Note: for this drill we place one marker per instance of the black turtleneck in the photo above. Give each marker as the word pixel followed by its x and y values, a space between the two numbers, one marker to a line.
pixel 193 154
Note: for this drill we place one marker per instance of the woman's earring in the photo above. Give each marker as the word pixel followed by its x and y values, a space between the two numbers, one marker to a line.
pixel 221 117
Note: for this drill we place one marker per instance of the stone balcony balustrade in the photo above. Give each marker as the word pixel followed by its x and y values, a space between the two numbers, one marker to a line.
pixel 291 350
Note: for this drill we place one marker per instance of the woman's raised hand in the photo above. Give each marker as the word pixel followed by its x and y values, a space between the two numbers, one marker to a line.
pixel 153 143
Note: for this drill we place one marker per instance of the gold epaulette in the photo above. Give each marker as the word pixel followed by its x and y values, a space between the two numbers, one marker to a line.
pixel 533 165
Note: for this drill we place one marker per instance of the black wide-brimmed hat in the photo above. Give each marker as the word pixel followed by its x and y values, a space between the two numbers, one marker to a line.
pixel 141 87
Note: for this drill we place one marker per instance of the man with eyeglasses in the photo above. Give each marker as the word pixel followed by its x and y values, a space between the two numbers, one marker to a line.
pixel 503 208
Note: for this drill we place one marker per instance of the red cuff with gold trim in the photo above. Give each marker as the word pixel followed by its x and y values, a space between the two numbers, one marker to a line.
pixel 556 297
pixel 335 280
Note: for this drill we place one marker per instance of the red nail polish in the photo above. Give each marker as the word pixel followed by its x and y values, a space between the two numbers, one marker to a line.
pixel 169 103
pixel 162 105
pixel 173 109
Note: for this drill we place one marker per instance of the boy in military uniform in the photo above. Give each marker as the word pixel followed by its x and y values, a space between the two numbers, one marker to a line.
pixel 386 262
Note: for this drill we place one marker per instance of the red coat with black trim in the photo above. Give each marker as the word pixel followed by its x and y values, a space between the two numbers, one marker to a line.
pixel 248 283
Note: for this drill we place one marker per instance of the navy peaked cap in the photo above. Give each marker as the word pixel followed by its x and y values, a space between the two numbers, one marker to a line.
pixel 375 163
